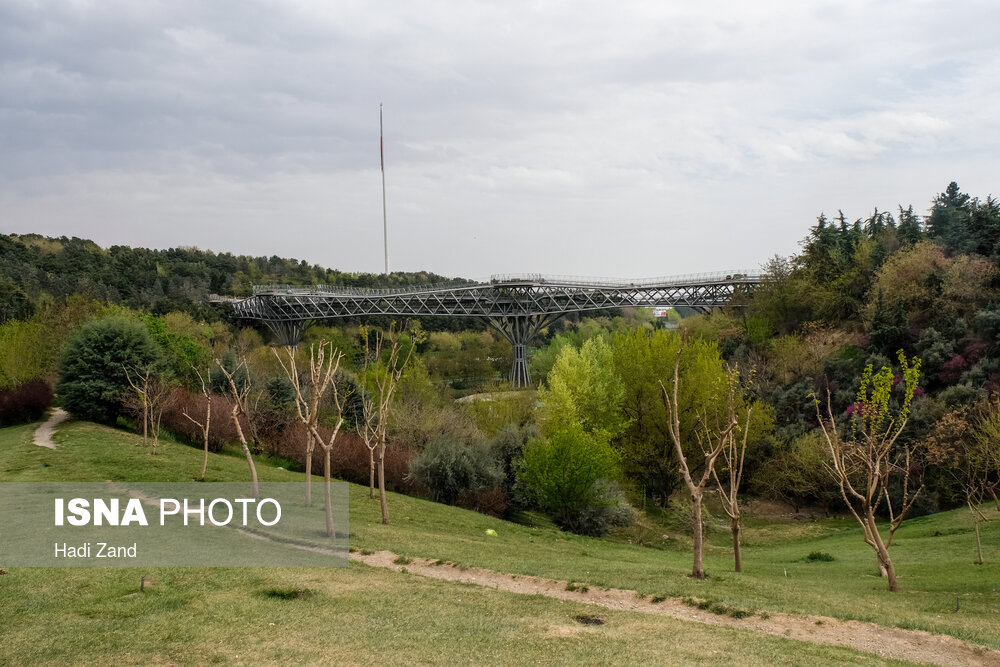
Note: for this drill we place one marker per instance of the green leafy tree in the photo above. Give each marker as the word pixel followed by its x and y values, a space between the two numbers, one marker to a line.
pixel 92 378
pixel 648 459
pixel 14 302
pixel 585 389
pixel 909 231
pixel 948 221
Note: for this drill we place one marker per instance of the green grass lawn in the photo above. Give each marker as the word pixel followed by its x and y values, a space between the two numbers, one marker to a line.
pixel 359 615
pixel 934 557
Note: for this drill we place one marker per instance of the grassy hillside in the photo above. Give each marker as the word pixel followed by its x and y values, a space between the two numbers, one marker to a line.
pixel 934 556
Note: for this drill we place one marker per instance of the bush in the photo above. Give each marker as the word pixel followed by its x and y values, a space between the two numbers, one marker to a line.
pixel 610 510
pixel 566 473
pixel 25 403
pixel 819 557
pixel 449 467
pixel 92 380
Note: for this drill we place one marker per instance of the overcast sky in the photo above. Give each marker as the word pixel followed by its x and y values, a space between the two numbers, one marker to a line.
pixel 621 138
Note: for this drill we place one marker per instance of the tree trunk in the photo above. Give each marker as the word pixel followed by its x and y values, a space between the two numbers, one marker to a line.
pixel 979 542
pixel 975 523
pixel 885 565
pixel 208 422
pixel 698 570
pixel 246 452
pixel 737 557
pixel 371 474
pixel 890 572
pixel 309 469
pixel 155 426
pixel 381 485
pixel 327 506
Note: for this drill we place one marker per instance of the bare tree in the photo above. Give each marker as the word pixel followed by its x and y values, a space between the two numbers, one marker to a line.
pixel 733 454
pixel 966 445
pixel 862 463
pixel 982 466
pixel 137 402
pixel 241 394
pixel 152 395
pixel 986 454
pixel 369 421
pixel 207 424
pixel 322 372
pixel 712 442
pixel 383 376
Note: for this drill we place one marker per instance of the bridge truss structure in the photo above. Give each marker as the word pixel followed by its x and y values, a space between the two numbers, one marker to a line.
pixel 518 306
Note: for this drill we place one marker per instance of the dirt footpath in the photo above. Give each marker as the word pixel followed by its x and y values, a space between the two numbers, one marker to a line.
pixel 43 434
pixel 886 642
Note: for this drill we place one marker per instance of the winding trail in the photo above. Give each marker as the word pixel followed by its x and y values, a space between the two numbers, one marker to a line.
pixel 886 642
pixel 43 434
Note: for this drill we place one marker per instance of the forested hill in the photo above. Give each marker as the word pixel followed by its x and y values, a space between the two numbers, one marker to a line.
pixel 36 268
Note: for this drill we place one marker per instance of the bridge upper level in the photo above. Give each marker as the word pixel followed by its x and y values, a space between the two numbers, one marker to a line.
pixel 519 306
pixel 509 295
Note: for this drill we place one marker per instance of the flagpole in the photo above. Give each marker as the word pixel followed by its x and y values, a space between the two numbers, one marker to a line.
pixel 381 154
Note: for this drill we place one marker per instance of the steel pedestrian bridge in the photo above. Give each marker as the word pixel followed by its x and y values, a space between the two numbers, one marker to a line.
pixel 519 306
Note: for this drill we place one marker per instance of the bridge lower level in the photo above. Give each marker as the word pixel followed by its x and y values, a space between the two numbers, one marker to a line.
pixel 518 306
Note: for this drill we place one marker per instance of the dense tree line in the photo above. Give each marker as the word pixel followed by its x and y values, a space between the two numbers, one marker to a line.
pixel 34 269
pixel 856 294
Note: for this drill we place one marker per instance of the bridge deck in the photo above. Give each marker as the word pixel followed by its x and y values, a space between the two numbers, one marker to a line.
pixel 518 306
pixel 504 296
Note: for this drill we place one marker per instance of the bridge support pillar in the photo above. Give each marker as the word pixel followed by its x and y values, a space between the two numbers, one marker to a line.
pixel 289 333
pixel 520 330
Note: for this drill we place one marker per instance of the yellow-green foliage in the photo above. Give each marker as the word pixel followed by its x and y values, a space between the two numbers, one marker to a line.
pixel 875 393
pixel 585 389
pixel 501 408
pixel 716 326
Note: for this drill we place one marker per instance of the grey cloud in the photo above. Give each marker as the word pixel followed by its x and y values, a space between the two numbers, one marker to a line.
pixel 556 122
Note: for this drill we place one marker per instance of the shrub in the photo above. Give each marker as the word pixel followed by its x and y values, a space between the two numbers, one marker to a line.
pixel 449 467
pixel 494 501
pixel 284 436
pixel 25 403
pixel 819 557
pixel 566 475
pixel 92 380
pixel 508 451
pixel 610 510
pixel 221 431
